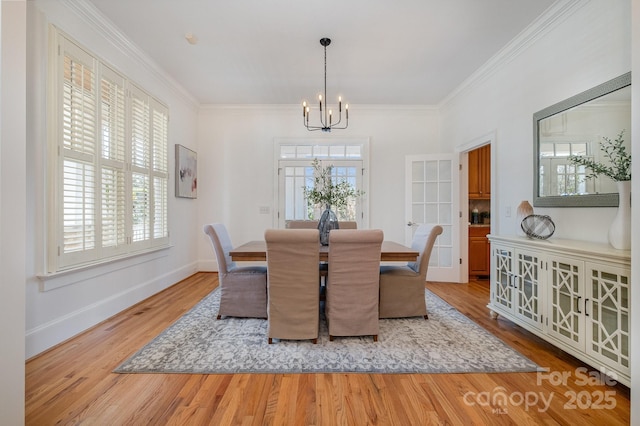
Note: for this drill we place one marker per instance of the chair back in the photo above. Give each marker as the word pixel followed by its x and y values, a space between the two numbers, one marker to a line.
pixel 302 224
pixel 353 282
pixel 348 224
pixel 221 243
pixel 292 283
pixel 423 241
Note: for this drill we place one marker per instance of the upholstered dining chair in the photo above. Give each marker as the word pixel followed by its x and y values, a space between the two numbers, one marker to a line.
pixel 293 306
pixel 302 224
pixel 351 306
pixel 243 290
pixel 347 224
pixel 402 287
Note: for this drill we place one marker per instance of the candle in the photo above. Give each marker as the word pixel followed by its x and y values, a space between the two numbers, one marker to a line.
pixel 304 108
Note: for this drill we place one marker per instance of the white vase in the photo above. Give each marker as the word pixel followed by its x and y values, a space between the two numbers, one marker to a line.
pixel 620 230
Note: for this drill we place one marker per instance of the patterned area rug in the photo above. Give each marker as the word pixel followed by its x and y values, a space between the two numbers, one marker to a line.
pixel 448 342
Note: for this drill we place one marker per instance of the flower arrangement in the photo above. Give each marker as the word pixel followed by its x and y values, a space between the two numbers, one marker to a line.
pixel 620 160
pixel 327 191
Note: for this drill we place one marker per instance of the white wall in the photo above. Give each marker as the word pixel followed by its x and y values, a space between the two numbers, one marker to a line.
pixel 589 47
pixel 12 209
pixel 236 163
pixel 635 212
pixel 84 299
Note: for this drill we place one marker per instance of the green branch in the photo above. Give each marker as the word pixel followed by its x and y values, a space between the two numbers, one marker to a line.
pixel 615 151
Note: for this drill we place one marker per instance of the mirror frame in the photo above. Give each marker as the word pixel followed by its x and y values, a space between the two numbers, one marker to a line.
pixel 589 200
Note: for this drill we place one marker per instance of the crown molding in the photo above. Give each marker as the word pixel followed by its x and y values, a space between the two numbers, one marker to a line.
pixel 550 19
pixel 289 107
pixel 88 13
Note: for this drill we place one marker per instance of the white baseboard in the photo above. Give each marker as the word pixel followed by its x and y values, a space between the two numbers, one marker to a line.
pixel 63 328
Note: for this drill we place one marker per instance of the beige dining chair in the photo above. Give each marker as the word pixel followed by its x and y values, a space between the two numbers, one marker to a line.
pixel 293 306
pixel 402 287
pixel 302 224
pixel 348 224
pixel 353 282
pixel 243 290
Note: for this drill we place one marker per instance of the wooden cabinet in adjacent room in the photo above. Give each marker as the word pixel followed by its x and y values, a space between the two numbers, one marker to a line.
pixel 479 251
pixel 480 173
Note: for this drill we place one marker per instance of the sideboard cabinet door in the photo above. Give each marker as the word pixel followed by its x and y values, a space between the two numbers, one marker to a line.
pixel 608 315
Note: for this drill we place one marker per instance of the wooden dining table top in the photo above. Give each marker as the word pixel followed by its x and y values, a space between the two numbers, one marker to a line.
pixel 257 251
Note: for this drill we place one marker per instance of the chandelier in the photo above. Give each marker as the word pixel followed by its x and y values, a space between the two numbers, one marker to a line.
pixel 326 114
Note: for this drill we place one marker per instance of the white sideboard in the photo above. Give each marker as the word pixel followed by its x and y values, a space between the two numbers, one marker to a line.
pixel 574 294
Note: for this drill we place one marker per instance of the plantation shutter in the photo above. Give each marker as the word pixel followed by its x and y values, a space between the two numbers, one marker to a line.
pixel 159 129
pixel 77 242
pixel 108 163
pixel 140 167
pixel 112 162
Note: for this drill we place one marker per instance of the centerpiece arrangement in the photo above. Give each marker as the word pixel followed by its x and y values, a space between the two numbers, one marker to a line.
pixel 618 170
pixel 328 191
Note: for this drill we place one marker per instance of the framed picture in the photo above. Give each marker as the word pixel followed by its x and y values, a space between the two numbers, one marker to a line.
pixel 186 172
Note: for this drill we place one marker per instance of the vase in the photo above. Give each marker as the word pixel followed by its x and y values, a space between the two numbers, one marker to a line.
pixel 620 229
pixel 328 221
pixel 524 210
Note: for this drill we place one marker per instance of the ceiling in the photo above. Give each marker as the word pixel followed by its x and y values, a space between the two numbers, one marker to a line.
pixel 401 52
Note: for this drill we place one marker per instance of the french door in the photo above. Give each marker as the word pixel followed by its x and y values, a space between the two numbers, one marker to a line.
pixel 432 186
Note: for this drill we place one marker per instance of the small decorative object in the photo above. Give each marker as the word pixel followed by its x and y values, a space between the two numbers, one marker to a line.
pixel 524 209
pixel 186 172
pixel 474 216
pixel 328 191
pixel 619 170
pixel 327 222
pixel 538 226
pixel 486 218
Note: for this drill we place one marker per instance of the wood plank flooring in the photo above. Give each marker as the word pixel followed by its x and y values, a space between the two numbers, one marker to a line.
pixel 73 383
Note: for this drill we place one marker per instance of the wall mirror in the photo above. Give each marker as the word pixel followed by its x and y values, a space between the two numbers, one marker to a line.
pixel 577 126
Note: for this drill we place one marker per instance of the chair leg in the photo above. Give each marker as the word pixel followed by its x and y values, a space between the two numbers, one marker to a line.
pixel 375 337
pixel 315 341
pixel 330 338
pixel 426 316
pixel 219 316
pixel 270 340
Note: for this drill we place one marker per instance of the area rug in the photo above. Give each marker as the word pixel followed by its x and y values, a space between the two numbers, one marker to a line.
pixel 448 342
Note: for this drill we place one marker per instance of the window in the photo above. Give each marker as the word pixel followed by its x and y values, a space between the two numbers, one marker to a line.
pixel 109 171
pixel 296 171
pixel 558 176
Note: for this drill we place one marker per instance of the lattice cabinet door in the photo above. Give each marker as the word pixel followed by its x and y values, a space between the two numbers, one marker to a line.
pixel 608 315
pixel 565 308
pixel 502 278
pixel 528 287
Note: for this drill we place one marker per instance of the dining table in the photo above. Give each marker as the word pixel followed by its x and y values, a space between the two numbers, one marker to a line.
pixel 257 251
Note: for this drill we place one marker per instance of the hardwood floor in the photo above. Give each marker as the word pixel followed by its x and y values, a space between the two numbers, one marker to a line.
pixel 73 383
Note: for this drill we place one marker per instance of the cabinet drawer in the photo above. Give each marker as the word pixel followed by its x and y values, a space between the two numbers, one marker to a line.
pixel 479 231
